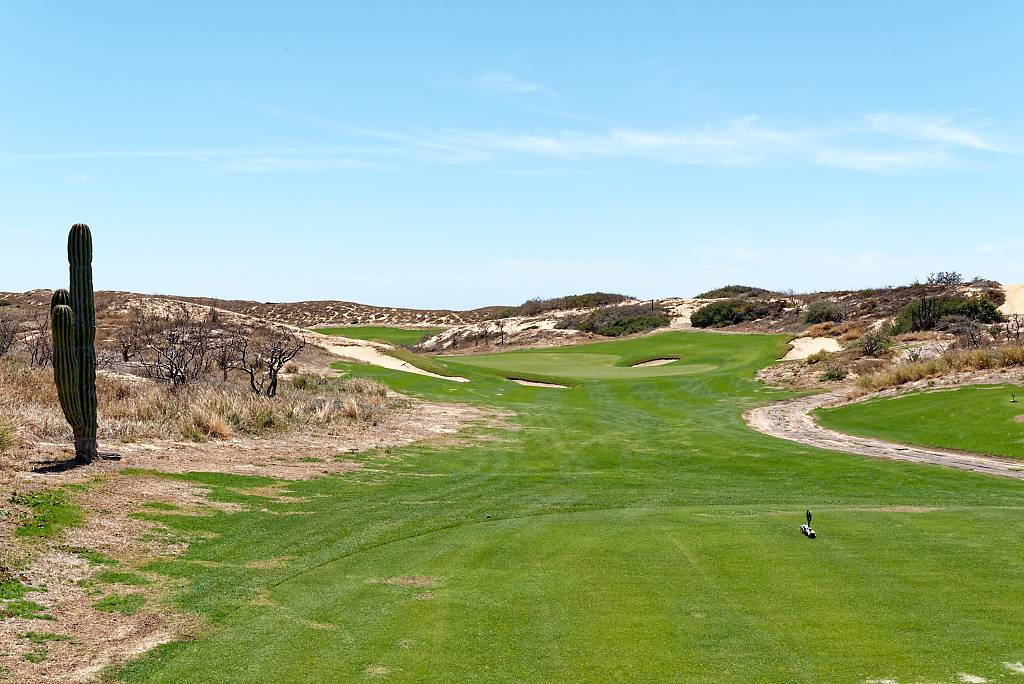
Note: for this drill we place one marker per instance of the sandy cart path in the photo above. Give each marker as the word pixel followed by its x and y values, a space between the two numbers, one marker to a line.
pixel 792 420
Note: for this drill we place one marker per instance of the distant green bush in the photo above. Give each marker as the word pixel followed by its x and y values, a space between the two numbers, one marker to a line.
pixel 5 302
pixel 733 291
pixel 536 307
pixel 927 312
pixel 732 312
pixel 823 311
pixel 616 321
pixel 833 373
pixel 874 343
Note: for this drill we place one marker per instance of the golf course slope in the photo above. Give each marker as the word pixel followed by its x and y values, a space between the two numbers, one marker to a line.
pixel 628 528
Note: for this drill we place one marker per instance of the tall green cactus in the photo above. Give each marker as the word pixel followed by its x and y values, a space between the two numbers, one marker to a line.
pixel 73 316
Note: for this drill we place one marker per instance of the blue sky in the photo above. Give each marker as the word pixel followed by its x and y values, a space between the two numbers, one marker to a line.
pixel 457 154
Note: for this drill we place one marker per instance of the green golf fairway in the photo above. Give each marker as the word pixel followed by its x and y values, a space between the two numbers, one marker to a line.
pixel 396 336
pixel 978 418
pixel 630 528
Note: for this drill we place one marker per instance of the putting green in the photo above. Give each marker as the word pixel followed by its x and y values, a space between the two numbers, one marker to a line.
pixel 978 418
pixel 578 365
pixel 620 531
pixel 396 336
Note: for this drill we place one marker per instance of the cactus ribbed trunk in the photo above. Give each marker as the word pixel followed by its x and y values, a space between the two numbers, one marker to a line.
pixel 73 322
pixel 82 303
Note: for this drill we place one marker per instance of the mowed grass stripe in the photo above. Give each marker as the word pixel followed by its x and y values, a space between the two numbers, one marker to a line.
pixel 623 530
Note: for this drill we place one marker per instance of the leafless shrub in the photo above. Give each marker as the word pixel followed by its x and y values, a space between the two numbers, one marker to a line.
pixel 8 333
pixel 37 340
pixel 261 355
pixel 1014 326
pixel 177 349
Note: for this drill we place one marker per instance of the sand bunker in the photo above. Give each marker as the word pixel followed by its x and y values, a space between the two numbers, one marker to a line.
pixel 373 355
pixel 533 383
pixel 806 346
pixel 1014 303
pixel 654 362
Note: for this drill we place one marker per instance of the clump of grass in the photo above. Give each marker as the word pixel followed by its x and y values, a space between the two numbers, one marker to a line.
pixel 127 604
pixel 20 608
pixel 94 557
pixel 40 638
pixel 51 510
pixel 8 438
pixel 126 578
pixel 160 506
pixel 37 655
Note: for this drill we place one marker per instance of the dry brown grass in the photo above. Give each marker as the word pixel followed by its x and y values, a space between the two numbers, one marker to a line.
pixel 843 331
pixel 133 408
pixel 951 362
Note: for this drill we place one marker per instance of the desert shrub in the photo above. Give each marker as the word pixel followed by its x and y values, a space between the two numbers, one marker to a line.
pixel 945 278
pixel 536 307
pixel 874 343
pixel 823 310
pixel 927 313
pixel 4 302
pixel 732 312
pixel 817 357
pixel 615 321
pixel 833 373
pixel 733 291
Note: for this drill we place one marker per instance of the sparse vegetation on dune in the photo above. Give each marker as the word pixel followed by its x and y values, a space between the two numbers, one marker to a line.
pixel 616 321
pixel 732 291
pixel 732 311
pixel 953 361
pixel 536 307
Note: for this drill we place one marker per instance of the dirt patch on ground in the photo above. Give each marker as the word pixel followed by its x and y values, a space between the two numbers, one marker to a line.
pixel 1019 419
pixel 76 640
pixel 421 581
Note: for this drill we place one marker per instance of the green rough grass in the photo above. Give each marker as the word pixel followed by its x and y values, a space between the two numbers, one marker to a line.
pixel 126 578
pixel 631 529
pixel 978 418
pixel 51 510
pixel 396 336
pixel 126 604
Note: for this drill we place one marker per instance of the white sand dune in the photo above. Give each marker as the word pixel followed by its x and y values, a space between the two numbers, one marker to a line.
pixel 806 346
pixel 1014 303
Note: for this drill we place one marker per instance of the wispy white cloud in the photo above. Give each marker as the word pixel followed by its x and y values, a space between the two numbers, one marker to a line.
pixel 930 128
pixel 501 81
pixel 882 161
pixel 879 143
